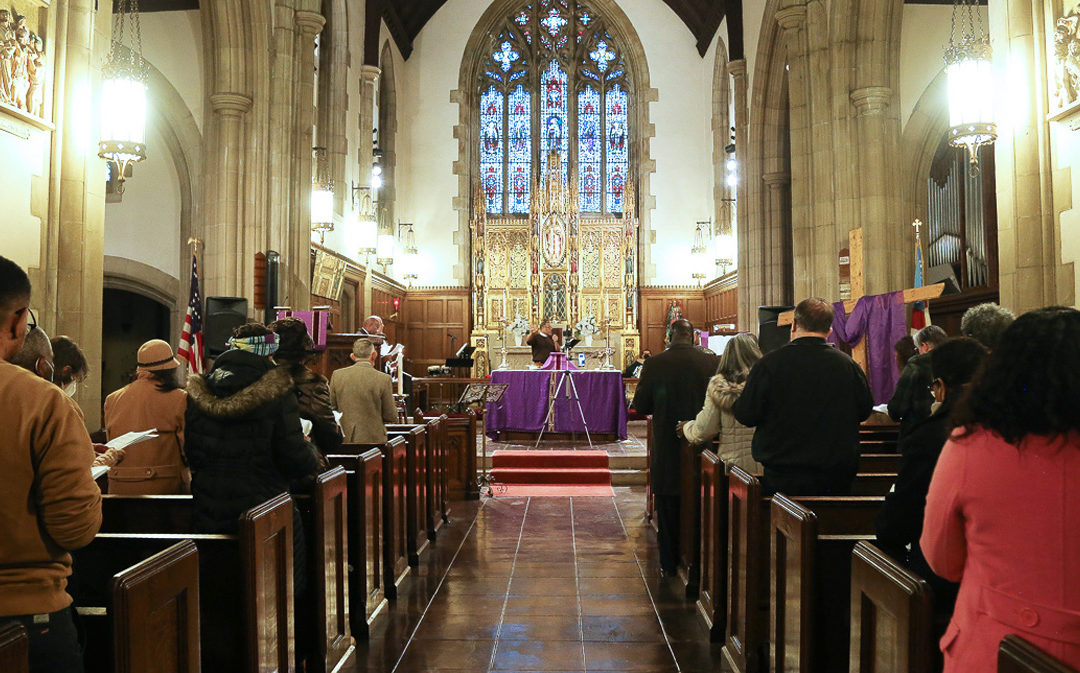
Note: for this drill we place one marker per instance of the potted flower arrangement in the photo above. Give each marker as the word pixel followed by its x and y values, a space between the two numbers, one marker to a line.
pixel 586 328
pixel 519 328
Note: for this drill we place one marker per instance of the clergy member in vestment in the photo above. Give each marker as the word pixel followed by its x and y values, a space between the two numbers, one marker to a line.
pixel 672 389
pixel 543 343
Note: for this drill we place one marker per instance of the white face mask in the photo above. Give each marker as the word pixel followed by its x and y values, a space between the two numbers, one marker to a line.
pixel 70 388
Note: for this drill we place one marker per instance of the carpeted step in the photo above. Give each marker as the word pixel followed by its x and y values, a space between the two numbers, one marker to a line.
pixel 557 475
pixel 550 459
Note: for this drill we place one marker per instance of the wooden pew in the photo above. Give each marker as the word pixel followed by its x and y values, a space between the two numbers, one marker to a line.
pixel 879 462
pixel 14 648
pixel 1016 655
pixel 650 504
pixel 712 591
pixel 246 589
pixel 690 517
pixel 156 613
pixel 461 438
pixel 416 505
pixel 891 615
pixel 395 514
pixel 438 503
pixel 367 576
pixel 325 614
pixel 810 578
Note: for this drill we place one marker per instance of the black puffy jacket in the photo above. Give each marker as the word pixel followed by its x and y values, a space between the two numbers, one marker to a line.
pixel 242 438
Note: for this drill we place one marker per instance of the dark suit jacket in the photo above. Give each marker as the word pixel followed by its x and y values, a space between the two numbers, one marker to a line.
pixel 806 401
pixel 542 346
pixel 911 400
pixel 672 389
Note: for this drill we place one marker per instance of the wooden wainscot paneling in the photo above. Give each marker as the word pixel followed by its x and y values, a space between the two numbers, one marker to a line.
pixel 432 316
pixel 654 308
pixel 722 302
pixel 388 302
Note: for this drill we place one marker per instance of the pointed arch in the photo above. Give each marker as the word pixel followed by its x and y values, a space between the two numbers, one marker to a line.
pixel 387 138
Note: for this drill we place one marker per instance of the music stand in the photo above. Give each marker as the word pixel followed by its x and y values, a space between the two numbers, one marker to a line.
pixel 486 393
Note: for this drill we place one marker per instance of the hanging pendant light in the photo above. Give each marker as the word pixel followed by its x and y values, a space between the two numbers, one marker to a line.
pixel 410 258
pixel 384 254
pixel 699 258
pixel 322 196
pixel 123 94
pixel 970 83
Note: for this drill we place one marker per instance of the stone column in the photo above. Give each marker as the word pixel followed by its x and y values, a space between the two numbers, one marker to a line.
pixel 72 294
pixel 747 311
pixel 369 86
pixel 220 264
pixel 778 274
pixel 877 216
pixel 1028 263
pixel 297 286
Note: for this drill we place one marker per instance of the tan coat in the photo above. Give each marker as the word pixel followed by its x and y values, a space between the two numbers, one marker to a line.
pixel 715 417
pixel 48 503
pixel 156 466
pixel 365 398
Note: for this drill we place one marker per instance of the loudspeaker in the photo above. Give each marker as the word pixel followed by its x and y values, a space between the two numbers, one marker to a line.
pixel 223 314
pixel 943 273
pixel 770 335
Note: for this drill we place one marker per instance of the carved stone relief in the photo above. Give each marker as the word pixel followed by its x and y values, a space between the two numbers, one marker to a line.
pixel 23 68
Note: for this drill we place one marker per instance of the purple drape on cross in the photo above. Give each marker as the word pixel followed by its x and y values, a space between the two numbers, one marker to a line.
pixel 882 320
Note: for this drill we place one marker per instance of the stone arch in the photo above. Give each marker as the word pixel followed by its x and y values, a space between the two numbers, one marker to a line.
pixel 467 98
pixel 388 132
pixel 121 273
pixel 928 124
pixel 334 93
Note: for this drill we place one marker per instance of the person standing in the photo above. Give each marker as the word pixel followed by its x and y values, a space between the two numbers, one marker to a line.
pixel 49 503
pixel 154 400
pixel 1004 501
pixel 71 366
pixel 364 396
pixel 543 343
pixel 672 389
pixel 36 355
pixel 295 350
pixel 806 401
pixel 740 355
pixel 633 370
pixel 911 400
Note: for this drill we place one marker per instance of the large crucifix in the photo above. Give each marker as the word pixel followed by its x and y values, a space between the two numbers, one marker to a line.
pixel 858 288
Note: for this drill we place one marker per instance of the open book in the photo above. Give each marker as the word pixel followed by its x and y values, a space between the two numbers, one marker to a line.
pixel 131 438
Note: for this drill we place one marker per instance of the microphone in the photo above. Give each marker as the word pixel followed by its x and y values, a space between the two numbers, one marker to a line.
pixel 452 337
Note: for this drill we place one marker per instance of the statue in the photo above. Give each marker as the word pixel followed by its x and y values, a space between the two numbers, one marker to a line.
pixel 7 57
pixel 22 64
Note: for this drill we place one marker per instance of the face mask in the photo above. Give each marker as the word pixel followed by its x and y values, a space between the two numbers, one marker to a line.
pixel 70 388
pixel 52 372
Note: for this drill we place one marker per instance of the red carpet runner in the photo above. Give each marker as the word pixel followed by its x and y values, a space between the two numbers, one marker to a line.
pixel 551 473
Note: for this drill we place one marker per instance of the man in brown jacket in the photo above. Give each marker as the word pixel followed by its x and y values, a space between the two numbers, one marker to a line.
pixel 49 503
pixel 364 396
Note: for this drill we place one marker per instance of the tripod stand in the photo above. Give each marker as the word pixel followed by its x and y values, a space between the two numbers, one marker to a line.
pixel 564 376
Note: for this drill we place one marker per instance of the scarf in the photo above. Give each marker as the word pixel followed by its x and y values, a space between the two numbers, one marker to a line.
pixel 259 345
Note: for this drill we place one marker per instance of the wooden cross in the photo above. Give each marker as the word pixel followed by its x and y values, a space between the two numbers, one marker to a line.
pixel 858 288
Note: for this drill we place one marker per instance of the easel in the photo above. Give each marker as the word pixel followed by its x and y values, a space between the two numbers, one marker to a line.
pixel 858 290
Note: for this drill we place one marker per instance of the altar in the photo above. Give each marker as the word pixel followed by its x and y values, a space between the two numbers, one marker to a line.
pixel 524 408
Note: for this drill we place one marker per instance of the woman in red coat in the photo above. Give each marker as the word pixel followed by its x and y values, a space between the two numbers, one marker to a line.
pixel 1003 511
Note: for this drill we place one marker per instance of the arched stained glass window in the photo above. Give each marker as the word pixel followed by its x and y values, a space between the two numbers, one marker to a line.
pixel 554 80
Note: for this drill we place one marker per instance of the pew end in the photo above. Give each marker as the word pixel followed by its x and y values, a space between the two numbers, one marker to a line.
pixel 1016 655
pixel 891 615
pixel 14 648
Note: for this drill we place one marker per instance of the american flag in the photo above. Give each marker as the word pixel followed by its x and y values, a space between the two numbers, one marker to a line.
pixel 191 340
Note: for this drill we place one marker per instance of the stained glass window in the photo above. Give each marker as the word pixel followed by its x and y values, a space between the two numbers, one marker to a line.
pixel 618 147
pixel 554 71
pixel 589 149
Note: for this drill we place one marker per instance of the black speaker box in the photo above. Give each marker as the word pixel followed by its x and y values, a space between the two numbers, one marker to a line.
pixel 223 314
pixel 770 335
pixel 943 273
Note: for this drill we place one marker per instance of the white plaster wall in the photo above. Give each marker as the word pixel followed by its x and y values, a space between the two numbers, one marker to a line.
pixel 172 42
pixel 20 232
pixel 145 225
pixel 923 38
pixel 427 148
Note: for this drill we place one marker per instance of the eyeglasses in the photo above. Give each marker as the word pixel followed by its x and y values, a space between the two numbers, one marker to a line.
pixel 31 322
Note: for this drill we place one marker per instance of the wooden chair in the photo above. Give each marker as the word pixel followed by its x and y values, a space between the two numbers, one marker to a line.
pixel 156 613
pixel 891 615
pixel 14 648
pixel 712 592
pixel 1016 655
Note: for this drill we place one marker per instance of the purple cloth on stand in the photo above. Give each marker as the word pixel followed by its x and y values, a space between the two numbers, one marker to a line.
pixel 882 320
pixel 558 360
pixel 524 407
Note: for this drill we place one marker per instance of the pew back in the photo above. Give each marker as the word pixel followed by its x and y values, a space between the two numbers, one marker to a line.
pixel 793 533
pixel 744 626
pixel 330 536
pixel 712 591
pixel 156 613
pixel 890 615
pixel 1016 655
pixel 14 648
pixel 416 518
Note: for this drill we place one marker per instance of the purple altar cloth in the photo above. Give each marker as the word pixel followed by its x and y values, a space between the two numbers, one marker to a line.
pixel 524 407
pixel 883 321
pixel 558 360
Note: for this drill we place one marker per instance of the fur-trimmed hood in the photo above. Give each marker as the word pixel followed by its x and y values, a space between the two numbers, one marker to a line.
pixel 273 385
pixel 723 393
